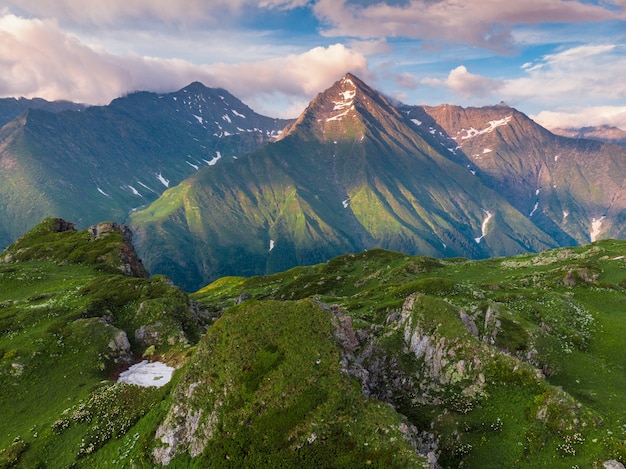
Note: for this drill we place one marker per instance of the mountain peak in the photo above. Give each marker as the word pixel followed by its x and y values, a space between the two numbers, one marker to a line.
pixel 350 84
pixel 194 87
pixel 340 111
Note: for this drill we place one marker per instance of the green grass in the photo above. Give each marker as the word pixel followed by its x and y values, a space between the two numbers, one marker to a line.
pixel 61 306
pixel 539 383
pixel 561 310
pixel 270 372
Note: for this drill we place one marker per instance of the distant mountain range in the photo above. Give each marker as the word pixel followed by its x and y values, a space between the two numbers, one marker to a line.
pixel 602 133
pixel 101 162
pixel 353 172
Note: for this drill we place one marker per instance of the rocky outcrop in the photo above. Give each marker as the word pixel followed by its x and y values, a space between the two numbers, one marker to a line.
pixel 380 374
pixel 469 323
pixel 130 265
pixel 184 429
pixel 448 366
pixel 119 348
pixel 58 225
pixel 575 276
pixel 429 369
pixel 158 334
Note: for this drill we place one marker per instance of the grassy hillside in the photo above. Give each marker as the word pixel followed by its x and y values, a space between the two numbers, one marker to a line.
pixel 372 359
pixel 68 318
pixel 511 362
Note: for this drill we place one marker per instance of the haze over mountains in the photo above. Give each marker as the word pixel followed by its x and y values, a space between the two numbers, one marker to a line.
pixel 353 172
pixel 603 133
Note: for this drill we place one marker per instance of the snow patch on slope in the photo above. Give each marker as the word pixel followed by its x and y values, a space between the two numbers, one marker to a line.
pixel 346 101
pixel 146 187
pixel 164 181
pixel 155 374
pixel 491 126
pixel 134 191
pixel 103 193
pixel 215 159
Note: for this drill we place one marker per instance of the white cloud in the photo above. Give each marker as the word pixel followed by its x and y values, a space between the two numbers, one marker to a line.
pixel 39 60
pixel 141 12
pixel 406 80
pixel 583 116
pixel 466 84
pixel 577 75
pixel 487 24
pixel 584 83
pixel 295 74
pixel 371 47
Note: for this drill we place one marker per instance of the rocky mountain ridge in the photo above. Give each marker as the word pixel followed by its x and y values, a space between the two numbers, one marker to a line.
pixel 11 108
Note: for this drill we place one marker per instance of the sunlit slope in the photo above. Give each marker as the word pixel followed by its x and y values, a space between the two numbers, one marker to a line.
pixel 350 174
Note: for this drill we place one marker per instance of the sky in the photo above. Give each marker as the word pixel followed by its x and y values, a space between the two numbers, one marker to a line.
pixel 562 62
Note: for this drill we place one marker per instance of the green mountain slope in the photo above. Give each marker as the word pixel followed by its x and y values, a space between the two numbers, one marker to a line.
pixel 265 388
pixel 374 359
pixel 104 161
pixel 351 173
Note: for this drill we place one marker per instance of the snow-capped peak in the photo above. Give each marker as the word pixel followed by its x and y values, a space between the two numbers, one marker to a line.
pixel 345 101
